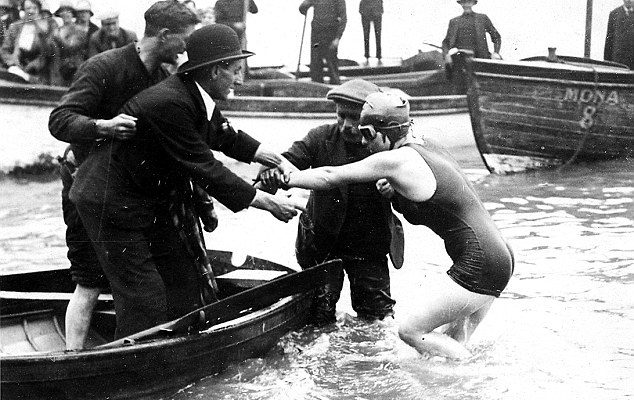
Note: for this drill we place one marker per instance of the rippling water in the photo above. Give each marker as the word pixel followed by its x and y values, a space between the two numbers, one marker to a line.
pixel 561 330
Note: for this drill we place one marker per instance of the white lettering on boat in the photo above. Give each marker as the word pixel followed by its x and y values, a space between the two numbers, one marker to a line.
pixel 592 96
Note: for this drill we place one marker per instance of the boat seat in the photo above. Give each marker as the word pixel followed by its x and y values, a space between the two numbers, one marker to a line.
pixel 247 278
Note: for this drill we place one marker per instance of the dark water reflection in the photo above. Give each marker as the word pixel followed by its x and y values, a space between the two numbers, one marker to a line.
pixel 561 330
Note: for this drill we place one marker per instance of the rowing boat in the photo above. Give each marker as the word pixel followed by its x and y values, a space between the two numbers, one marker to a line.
pixel 544 112
pixel 252 315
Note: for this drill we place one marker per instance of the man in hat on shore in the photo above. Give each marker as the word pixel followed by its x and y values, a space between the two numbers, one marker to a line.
pixel 89 113
pixel 110 35
pixel 351 222
pixel 468 32
pixel 124 190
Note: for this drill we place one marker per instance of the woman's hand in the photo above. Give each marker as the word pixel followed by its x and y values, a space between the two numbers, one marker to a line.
pixel 384 187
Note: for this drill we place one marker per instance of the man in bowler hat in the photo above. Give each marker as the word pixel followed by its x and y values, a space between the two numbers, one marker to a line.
pixel 124 190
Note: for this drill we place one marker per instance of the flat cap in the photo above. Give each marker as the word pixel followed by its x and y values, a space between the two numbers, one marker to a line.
pixel 354 91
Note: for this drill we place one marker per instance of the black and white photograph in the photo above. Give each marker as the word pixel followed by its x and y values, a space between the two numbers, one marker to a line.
pixel 316 199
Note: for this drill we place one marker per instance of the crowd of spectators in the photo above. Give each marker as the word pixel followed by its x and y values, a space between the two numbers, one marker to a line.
pixel 47 47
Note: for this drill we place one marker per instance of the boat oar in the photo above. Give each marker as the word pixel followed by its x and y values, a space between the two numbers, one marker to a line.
pixel 301 45
pixel 233 306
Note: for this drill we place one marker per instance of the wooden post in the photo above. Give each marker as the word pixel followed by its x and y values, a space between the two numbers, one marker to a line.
pixel 588 41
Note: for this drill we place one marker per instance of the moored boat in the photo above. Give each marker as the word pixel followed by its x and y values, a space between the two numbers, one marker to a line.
pixel 35 365
pixel 548 111
pixel 281 97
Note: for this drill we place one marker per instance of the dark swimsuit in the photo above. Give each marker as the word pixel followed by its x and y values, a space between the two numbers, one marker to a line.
pixel 483 262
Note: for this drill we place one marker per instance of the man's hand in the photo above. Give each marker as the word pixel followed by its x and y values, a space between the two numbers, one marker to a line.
pixel 121 127
pixel 281 207
pixel 496 56
pixel 384 187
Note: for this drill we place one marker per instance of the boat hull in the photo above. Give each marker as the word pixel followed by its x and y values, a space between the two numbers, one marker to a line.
pixel 134 371
pixel 535 114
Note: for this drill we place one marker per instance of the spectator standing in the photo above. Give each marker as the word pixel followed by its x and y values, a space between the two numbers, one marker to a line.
pixel 619 40
pixel 9 13
pixel 468 32
pixel 69 46
pixel 371 13
pixel 110 35
pixel 83 13
pixel 27 43
pixel 329 22
pixel 232 14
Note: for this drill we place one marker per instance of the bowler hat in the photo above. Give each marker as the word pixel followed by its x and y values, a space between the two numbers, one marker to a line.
pixel 353 91
pixel 212 44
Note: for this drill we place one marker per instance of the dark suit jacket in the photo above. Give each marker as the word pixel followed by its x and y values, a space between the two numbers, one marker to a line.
pixel 483 25
pixel 321 223
pixel 619 40
pixel 173 143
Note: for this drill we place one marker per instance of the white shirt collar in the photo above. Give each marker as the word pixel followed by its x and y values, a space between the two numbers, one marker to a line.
pixel 210 105
pixel 627 9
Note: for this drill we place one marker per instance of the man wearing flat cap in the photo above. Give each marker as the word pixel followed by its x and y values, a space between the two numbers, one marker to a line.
pixel 352 222
pixel 130 193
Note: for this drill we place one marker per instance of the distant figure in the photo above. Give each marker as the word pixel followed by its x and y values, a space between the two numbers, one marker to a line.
pixel 619 41
pixel 69 44
pixel 110 35
pixel 329 22
pixel 231 13
pixel 371 11
pixel 9 13
pixel 468 32
pixel 26 45
pixel 83 13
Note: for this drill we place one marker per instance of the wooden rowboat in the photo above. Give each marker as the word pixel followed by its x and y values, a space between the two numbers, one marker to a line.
pixel 35 365
pixel 548 111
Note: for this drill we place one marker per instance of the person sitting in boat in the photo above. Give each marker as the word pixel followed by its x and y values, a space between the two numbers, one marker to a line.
pixel 88 113
pixel 26 48
pixel 619 40
pixel 349 222
pixel 68 46
pixel 429 189
pixel 468 32
pixel 130 194
pixel 110 35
